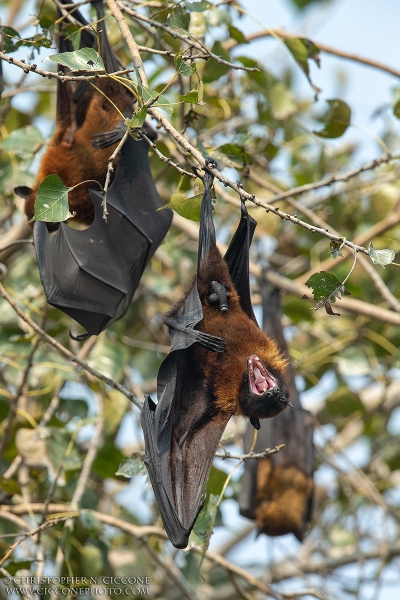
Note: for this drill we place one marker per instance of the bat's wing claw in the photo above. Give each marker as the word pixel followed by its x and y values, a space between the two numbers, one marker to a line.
pixel 108 138
pixel 210 342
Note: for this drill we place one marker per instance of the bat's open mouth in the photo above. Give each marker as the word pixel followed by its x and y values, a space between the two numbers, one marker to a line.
pixel 260 378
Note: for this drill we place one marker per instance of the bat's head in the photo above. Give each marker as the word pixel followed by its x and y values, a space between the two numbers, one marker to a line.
pixel 264 392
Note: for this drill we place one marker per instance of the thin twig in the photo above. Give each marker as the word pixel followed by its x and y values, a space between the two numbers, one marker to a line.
pixel 42 527
pixel 187 39
pixel 72 357
pixel 250 455
pixel 328 49
pixel 165 159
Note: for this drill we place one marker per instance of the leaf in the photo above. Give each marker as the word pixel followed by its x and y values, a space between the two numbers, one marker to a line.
pixel 186 207
pixel 85 59
pixel 179 18
pixel 326 288
pixel 183 67
pixel 237 35
pixel 282 101
pixel 24 142
pixel 302 51
pixel 137 120
pixel 91 560
pixel 109 359
pixel 133 466
pixel 162 101
pixel 198 6
pixel 216 481
pixel 115 405
pixel 396 109
pixel 7 34
pixel 58 443
pixel 10 486
pixel 204 525
pixel 16 564
pixel 191 97
pixel 336 119
pixel 236 154
pixel 335 248
pixel 213 69
pixel 381 257
pixel 52 201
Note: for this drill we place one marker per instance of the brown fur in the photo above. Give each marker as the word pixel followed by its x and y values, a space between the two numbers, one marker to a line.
pixel 70 154
pixel 224 372
pixel 282 499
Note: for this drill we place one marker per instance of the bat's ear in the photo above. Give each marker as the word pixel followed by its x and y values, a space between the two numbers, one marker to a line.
pixel 23 191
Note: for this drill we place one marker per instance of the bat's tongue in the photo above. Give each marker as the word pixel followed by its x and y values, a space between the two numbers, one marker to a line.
pixel 260 378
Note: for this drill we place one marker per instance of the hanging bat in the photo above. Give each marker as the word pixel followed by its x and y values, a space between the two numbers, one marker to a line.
pixel 278 491
pixel 221 364
pixel 92 274
pixel 85 120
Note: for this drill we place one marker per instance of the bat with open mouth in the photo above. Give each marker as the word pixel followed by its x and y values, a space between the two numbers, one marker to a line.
pixel 277 491
pixel 221 364
pixel 92 274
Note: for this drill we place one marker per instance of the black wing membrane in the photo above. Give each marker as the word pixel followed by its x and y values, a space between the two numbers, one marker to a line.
pixel 92 274
pixel 295 429
pixel 180 438
pixel 237 257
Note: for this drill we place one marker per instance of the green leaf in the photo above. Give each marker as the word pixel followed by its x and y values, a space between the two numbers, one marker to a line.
pixel 109 359
pixel 236 153
pixel 179 18
pixel 204 525
pixel 115 406
pixel 24 142
pixel 137 120
pixel 91 560
pixel 335 248
pixel 16 564
pixel 162 101
pixel 396 109
pixel 133 466
pixel 198 6
pixel 381 257
pixel 52 201
pixel 191 97
pixel 336 119
pixel 85 59
pixel 213 69
pixel 73 33
pixel 237 35
pixel 10 486
pixel 302 51
pixel 216 481
pixel 183 67
pixel 7 34
pixel 186 207
pixel 58 444
pixel 282 101
pixel 326 288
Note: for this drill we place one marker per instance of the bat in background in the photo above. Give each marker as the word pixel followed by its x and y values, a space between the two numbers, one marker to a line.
pixel 221 364
pixel 277 492
pixel 83 114
pixel 92 274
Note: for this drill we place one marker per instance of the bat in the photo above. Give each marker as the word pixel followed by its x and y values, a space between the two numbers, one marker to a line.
pixel 83 113
pixel 91 274
pixel 277 491
pixel 220 364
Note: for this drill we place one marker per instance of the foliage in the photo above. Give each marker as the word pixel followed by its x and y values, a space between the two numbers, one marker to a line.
pixel 55 418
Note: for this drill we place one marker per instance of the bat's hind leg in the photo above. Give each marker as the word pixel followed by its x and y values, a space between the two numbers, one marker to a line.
pixel 207 341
